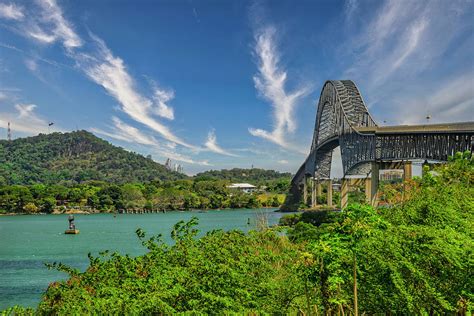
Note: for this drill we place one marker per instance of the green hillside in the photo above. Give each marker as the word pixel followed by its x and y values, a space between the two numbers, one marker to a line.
pixel 75 157
pixel 254 175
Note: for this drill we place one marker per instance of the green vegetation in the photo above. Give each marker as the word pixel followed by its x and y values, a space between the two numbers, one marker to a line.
pixel 80 171
pixel 414 257
pixel 99 196
pixel 271 179
pixel 70 158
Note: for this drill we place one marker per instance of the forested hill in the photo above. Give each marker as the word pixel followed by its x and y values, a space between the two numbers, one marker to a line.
pixel 254 175
pixel 75 157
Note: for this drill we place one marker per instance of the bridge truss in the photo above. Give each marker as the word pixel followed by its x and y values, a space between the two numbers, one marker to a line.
pixel 343 120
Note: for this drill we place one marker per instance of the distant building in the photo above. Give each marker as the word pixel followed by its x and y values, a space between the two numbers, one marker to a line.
pixel 168 164
pixel 391 175
pixel 244 187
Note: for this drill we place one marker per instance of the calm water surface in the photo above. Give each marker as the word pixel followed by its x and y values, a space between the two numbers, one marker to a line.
pixel 27 242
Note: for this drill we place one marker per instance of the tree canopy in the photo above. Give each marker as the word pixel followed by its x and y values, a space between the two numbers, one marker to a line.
pixel 75 157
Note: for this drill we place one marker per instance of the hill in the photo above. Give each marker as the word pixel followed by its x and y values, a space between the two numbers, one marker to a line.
pixel 254 175
pixel 74 157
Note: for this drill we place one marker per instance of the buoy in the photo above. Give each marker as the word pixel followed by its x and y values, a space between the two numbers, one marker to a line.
pixel 72 227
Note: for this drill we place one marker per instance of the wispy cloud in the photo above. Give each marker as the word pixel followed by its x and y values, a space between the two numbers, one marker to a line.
pixel 161 98
pixel 127 133
pixel 350 7
pixel 110 72
pixel 403 54
pixel 24 119
pixel 450 100
pixel 212 145
pixel 105 69
pixel 386 42
pixel 270 83
pixel 52 26
pixel 11 11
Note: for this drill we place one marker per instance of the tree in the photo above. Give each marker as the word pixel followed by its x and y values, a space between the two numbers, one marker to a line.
pixel 48 204
pixel 30 208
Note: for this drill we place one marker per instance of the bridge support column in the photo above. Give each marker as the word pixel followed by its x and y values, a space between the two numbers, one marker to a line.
pixel 316 193
pixel 329 193
pixel 407 170
pixel 368 190
pixel 313 193
pixel 305 190
pixel 344 193
pixel 319 191
pixel 374 185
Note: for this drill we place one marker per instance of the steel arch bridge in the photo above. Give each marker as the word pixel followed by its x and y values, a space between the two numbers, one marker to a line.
pixel 343 120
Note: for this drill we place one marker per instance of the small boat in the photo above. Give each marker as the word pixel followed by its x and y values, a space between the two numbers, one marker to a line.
pixel 72 227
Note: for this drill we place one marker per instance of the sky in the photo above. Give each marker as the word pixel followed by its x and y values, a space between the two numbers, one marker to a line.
pixel 223 84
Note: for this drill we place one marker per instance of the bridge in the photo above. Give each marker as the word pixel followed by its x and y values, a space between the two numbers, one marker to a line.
pixel 343 120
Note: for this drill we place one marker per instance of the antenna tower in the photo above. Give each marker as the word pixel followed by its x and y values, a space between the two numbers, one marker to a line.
pixel 9 133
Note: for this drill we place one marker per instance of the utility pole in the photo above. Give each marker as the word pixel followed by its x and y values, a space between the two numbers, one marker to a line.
pixel 9 133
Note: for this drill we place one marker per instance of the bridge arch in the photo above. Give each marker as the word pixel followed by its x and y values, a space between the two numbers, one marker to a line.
pixel 343 119
pixel 340 111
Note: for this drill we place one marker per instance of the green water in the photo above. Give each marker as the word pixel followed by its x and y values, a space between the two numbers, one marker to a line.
pixel 26 242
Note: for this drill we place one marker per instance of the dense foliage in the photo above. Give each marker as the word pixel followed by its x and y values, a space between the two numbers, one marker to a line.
pixel 414 257
pixel 68 158
pixel 152 196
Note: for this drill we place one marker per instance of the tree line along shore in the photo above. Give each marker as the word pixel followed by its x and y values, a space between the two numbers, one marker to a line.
pixel 156 196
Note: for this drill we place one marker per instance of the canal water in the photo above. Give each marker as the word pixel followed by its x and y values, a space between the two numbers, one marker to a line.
pixel 28 241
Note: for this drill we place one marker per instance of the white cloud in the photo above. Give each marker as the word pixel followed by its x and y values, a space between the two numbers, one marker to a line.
pixel 450 101
pixel 212 145
pixel 408 44
pixel 38 34
pixel 110 72
pixel 404 53
pixel 270 83
pixel 283 161
pixel 161 97
pixel 127 133
pixel 25 120
pixel 11 11
pixel 55 26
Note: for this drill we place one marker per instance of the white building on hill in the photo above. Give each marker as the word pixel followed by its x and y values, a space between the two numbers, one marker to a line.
pixel 244 187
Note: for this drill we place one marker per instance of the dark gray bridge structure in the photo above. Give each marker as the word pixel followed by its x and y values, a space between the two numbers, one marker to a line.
pixel 343 120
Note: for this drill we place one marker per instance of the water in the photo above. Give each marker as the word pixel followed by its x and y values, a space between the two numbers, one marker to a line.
pixel 27 242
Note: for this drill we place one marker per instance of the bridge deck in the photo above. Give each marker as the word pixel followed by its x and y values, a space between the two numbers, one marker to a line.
pixel 426 128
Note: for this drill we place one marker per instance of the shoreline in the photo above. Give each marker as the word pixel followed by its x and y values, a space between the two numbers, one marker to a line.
pixel 81 212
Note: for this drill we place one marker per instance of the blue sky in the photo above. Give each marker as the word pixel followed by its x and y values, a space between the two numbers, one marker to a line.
pixel 222 84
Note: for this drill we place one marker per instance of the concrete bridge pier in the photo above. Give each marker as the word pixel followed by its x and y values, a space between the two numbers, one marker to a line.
pixel 372 185
pixel 329 193
pixel 316 191
pixel 305 190
pixel 407 170
pixel 344 192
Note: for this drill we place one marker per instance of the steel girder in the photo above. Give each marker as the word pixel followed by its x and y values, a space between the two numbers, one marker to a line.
pixel 340 112
pixel 343 120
